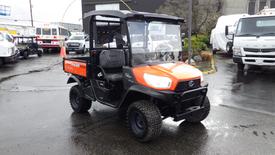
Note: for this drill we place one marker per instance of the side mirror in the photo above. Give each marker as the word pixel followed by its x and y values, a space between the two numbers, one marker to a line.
pixel 66 39
pixel 226 31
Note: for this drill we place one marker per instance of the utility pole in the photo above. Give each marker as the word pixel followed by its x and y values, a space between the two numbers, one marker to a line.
pixel 31 12
pixel 190 52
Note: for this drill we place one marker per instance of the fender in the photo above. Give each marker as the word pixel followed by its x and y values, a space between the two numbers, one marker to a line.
pixel 135 90
pixel 74 79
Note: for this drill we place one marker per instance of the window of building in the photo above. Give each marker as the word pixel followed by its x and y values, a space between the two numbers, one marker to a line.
pixel 262 4
pixel 272 4
pixel 251 7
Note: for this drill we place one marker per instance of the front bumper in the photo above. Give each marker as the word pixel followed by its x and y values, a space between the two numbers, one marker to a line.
pixel 181 105
pixel 259 60
pixel 74 48
pixel 12 58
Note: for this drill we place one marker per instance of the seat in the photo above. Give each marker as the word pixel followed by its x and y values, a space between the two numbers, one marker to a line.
pixel 111 62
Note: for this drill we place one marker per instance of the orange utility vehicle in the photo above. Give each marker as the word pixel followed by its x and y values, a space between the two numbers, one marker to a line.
pixel 135 66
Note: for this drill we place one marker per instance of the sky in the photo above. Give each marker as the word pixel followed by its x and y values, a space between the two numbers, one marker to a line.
pixel 45 10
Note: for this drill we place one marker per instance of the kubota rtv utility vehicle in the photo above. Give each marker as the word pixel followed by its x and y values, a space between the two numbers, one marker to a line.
pixel 134 65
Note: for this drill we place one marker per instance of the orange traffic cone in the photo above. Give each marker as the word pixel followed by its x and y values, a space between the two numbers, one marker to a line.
pixel 63 52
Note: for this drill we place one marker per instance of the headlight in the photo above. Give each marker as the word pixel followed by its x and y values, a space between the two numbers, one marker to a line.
pixel 237 51
pixel 202 79
pixel 158 82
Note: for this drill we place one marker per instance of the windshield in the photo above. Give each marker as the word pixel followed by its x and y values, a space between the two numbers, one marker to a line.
pixel 77 38
pixel 154 42
pixel 257 26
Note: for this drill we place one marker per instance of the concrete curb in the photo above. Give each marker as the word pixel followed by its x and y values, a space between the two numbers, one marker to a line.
pixel 213 67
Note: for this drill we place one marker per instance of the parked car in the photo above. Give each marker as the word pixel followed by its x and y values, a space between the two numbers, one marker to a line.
pixel 28 46
pixel 8 50
pixel 76 43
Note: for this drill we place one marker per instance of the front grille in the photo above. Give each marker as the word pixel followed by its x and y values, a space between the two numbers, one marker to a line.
pixel 186 85
pixel 261 56
pixel 47 41
pixel 256 50
pixel 73 44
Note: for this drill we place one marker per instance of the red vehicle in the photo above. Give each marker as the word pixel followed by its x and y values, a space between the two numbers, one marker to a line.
pixel 51 36
pixel 145 83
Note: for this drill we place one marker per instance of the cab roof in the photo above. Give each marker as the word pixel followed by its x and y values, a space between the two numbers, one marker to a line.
pixel 125 14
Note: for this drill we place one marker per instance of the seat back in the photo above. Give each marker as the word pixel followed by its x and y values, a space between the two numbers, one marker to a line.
pixel 114 58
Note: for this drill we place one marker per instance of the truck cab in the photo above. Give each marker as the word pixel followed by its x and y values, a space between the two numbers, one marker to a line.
pixel 8 50
pixel 253 42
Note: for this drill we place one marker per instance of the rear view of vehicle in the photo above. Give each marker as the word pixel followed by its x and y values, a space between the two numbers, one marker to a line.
pixel 28 46
pixel 8 51
pixel 51 37
pixel 254 41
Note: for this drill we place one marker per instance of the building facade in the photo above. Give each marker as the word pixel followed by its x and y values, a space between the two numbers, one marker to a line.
pixel 246 6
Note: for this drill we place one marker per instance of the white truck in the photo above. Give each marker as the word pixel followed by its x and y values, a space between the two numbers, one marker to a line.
pixel 254 41
pixel 8 50
pixel 218 39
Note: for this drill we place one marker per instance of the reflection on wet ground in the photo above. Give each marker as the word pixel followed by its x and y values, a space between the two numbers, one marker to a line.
pixel 253 89
pixel 36 117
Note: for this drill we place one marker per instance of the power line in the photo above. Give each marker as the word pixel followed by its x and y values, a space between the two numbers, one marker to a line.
pixel 126 5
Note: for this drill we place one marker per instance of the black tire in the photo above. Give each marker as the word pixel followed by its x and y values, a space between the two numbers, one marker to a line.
pixel 25 54
pixel 39 53
pixel 214 51
pixel 144 120
pixel 197 117
pixel 240 66
pixel 229 48
pixel 2 62
pixel 78 103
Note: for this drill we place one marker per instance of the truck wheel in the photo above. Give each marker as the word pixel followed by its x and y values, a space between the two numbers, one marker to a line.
pixel 25 54
pixel 214 51
pixel 229 49
pixel 39 53
pixel 78 103
pixel 144 120
pixel 240 66
pixel 197 117
pixel 1 62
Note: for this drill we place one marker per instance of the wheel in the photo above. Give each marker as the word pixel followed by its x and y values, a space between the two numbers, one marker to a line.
pixel 229 49
pixel 78 103
pixel 25 54
pixel 39 53
pixel 240 66
pixel 197 117
pixel 2 62
pixel 214 51
pixel 144 120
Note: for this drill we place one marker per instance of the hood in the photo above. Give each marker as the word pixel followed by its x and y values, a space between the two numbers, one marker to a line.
pixel 175 71
pixel 254 42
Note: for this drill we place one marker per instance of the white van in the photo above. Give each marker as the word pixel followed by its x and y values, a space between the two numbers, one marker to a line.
pixel 8 50
pixel 218 39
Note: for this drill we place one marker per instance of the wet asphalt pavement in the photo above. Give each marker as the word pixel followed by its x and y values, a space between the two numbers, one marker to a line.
pixel 36 118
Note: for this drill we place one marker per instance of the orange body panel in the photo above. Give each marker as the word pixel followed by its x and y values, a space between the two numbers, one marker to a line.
pixel 74 67
pixel 175 71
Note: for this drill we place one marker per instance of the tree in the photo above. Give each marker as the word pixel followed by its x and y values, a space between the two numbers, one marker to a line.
pixel 205 13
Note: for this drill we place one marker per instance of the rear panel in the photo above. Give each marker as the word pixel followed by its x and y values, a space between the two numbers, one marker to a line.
pixel 75 67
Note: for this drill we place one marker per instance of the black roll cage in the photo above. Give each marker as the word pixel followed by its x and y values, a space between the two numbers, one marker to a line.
pixel 124 16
